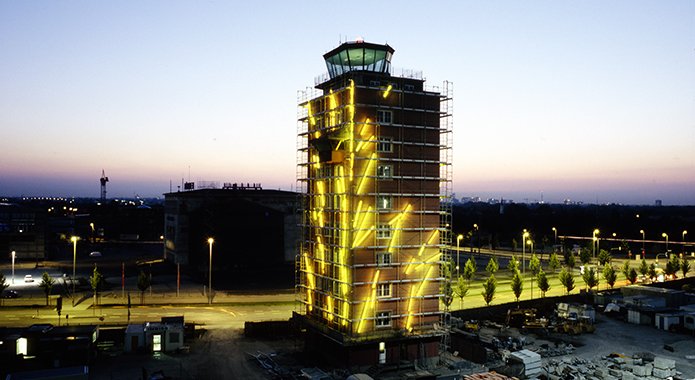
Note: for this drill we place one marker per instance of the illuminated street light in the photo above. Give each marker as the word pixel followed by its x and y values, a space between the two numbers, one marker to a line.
pixel 523 252
pixel 666 236
pixel 595 239
pixel 210 241
pixel 13 256
pixel 477 229
pixel 92 225
pixel 458 255
pixel 643 252
pixel 555 230
pixel 74 259
pixel 684 232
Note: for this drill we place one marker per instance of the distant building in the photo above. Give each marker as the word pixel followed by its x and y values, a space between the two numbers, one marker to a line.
pixel 22 230
pixel 250 226
pixel 376 210
pixel 657 202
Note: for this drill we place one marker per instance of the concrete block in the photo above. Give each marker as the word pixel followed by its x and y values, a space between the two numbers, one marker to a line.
pixel 642 371
pixel 600 372
pixel 615 373
pixel 661 373
pixel 663 363
pixel 627 375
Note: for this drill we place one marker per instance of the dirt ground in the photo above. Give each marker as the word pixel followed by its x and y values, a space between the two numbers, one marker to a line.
pixel 223 353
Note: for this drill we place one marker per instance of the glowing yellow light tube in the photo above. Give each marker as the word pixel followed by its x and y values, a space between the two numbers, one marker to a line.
pixel 367 170
pixel 388 91
pixel 429 241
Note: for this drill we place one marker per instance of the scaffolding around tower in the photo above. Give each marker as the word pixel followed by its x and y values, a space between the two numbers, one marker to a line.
pixel 374 173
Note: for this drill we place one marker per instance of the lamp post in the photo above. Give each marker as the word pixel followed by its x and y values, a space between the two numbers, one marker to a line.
pixel 666 236
pixel 458 255
pixel 92 225
pixel 555 230
pixel 74 259
pixel 595 239
pixel 210 241
pixel 642 232
pixel 13 255
pixel 684 232
pixel 477 229
pixel 523 252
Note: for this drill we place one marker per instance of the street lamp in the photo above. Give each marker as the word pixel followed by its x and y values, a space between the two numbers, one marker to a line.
pixel 523 252
pixel 555 230
pixel 684 232
pixel 210 241
pixel 595 241
pixel 13 255
pixel 642 231
pixel 92 225
pixel 477 229
pixel 666 236
pixel 458 253
pixel 74 259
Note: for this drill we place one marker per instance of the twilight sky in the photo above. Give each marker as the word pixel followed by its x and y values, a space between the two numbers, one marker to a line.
pixel 588 100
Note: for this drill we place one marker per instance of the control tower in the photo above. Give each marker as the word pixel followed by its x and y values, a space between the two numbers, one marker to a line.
pixel 374 170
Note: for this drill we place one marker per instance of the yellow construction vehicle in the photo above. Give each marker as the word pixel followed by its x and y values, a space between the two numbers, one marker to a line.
pixel 586 324
pixel 570 326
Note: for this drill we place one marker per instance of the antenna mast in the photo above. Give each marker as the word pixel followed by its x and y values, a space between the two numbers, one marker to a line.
pixel 103 180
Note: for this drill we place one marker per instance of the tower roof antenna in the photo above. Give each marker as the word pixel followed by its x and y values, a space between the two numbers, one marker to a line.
pixel 103 181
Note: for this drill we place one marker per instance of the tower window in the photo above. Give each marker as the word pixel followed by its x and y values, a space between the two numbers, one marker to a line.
pixel 383 259
pixel 383 290
pixel 383 319
pixel 409 87
pixel 384 171
pixel 384 202
pixel 384 144
pixel 383 117
pixel 383 231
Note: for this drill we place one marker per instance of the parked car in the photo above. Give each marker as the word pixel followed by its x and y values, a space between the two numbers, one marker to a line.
pixel 95 254
pixel 10 294
pixel 28 278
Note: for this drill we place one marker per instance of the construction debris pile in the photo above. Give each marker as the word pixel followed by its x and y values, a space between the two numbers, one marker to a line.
pixel 612 368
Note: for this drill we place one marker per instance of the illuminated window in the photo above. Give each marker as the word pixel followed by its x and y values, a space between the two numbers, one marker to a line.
pixel 383 318
pixel 384 144
pixel 383 290
pixel 383 231
pixel 384 171
pixel 383 117
pixel 383 259
pixel 384 202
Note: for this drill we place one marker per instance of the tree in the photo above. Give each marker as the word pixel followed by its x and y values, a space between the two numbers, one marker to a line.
pixel 3 284
pixel 143 284
pixel 469 269
pixel 604 257
pixel 513 265
pixel 610 275
pixel 566 280
pixel 46 284
pixel 685 267
pixel 590 278
pixel 446 270
pixel 492 266
pixel 626 269
pixel 517 286
pixel 489 289
pixel 461 289
pixel 585 255
pixel 672 266
pixel 514 244
pixel 97 281
pixel 643 267
pixel 632 276
pixel 554 262
pixel 543 283
pixel 535 266
pixel 495 242
pixel 571 262
pixel 652 270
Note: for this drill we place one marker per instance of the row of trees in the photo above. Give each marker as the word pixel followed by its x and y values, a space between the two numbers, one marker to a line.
pixel 97 282
pixel 589 276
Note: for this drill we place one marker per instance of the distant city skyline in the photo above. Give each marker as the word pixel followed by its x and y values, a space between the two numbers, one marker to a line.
pixel 590 101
